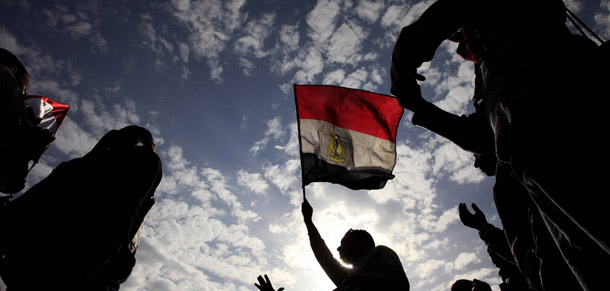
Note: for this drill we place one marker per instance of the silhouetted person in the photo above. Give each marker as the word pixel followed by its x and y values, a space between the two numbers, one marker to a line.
pixel 531 245
pixel 374 267
pixel 470 285
pixel 21 141
pixel 472 133
pixel 497 247
pixel 79 227
pixel 534 101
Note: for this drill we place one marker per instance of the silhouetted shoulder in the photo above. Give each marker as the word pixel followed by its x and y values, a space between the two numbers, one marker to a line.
pixel 384 250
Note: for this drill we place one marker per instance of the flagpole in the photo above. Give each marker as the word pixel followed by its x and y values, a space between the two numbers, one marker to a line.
pixel 296 103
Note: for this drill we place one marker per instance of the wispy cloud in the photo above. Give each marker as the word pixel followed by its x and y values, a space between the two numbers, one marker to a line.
pixel 210 25
pixel 152 40
pixel 256 32
pixel 78 22
pixel 345 44
pixel 252 181
pixel 322 20
pixel 274 130
pixel 369 10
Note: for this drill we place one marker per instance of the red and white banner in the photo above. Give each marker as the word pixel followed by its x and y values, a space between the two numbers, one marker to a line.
pixel 50 112
pixel 347 136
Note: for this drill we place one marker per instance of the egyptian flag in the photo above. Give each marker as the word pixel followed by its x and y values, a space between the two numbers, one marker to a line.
pixel 50 112
pixel 347 136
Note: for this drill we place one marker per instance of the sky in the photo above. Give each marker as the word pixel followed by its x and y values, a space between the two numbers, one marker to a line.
pixel 213 81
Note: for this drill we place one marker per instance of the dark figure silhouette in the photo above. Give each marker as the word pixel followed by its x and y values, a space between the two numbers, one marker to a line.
pixel 80 225
pixel 497 247
pixel 470 285
pixel 20 140
pixel 374 267
pixel 473 134
pixel 534 105
pixel 532 246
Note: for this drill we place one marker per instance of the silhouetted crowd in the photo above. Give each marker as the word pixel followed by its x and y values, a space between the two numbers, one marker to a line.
pixel 534 123
pixel 536 127
pixel 83 221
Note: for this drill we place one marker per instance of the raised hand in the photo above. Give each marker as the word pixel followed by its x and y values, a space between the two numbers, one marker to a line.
pixel 264 284
pixel 404 76
pixel 406 88
pixel 476 220
pixel 307 211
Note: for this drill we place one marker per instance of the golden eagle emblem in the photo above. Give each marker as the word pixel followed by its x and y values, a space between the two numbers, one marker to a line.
pixel 335 151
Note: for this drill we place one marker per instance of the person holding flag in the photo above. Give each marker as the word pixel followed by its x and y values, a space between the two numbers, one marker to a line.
pixel 348 137
pixel 15 126
pixel 374 267
pixel 27 124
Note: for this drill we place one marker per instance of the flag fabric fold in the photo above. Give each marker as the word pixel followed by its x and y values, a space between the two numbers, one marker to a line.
pixel 47 115
pixel 50 112
pixel 346 136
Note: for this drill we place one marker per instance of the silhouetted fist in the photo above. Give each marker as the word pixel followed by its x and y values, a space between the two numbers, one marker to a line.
pixel 307 210
pixel 405 87
pixel 476 220
pixel 405 77
pixel 265 284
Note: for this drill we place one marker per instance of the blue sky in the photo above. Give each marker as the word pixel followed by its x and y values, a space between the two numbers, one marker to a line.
pixel 213 81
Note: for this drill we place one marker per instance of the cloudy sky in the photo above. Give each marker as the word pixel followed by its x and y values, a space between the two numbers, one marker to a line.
pixel 213 80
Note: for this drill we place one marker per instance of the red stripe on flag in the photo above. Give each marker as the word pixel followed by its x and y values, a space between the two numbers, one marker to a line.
pixel 367 112
pixel 60 110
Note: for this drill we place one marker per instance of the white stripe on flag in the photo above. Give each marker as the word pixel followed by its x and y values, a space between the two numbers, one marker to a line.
pixel 369 151
pixel 42 110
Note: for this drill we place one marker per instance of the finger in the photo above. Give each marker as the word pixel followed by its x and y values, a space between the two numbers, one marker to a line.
pixel 261 280
pixel 419 77
pixel 267 279
pixel 462 208
pixel 281 289
pixel 476 208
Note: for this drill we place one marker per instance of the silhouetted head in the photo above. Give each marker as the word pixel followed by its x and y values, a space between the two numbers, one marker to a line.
pixel 134 135
pixel 125 137
pixel 17 68
pixel 462 285
pixel 468 285
pixel 355 244
pixel 486 163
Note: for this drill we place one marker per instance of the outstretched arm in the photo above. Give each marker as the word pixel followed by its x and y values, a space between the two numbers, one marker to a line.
pixel 418 42
pixel 497 245
pixel 333 268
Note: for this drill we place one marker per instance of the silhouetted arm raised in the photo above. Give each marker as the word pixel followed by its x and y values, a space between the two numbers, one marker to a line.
pixel 333 268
